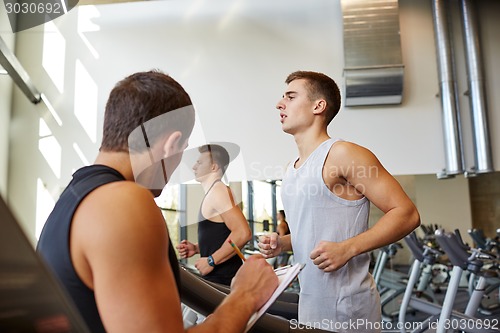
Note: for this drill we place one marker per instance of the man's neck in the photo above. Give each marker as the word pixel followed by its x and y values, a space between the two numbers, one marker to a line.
pixel 307 143
pixel 209 180
pixel 120 161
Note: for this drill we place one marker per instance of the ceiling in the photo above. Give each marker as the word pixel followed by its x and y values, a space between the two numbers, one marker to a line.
pixel 102 2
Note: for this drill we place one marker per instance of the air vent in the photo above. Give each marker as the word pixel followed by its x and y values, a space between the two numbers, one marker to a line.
pixel 372 51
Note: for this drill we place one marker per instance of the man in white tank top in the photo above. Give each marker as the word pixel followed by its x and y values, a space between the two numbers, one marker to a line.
pixel 326 193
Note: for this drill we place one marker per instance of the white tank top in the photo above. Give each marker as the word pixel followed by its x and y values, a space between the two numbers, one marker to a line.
pixel 314 214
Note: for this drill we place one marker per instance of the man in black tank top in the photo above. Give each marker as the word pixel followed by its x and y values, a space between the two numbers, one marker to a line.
pixel 106 240
pixel 220 219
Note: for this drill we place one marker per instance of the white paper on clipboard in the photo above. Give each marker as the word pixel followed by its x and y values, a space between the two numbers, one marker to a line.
pixel 285 275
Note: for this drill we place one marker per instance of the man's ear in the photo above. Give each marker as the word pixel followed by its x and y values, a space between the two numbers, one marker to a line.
pixel 172 144
pixel 319 107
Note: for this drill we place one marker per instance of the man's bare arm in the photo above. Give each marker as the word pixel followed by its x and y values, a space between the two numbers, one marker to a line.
pixel 124 243
pixel 233 218
pixel 363 171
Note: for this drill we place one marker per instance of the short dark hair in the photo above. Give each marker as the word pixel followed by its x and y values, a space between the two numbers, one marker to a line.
pixel 320 85
pixel 218 154
pixel 282 213
pixel 141 97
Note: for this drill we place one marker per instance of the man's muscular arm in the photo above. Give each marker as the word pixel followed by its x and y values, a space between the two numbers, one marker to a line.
pixel 363 171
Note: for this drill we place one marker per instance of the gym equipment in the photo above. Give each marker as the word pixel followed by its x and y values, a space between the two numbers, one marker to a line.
pixel 392 284
pixel 204 297
pixel 444 317
pixel 31 299
pixel 491 299
pixel 383 279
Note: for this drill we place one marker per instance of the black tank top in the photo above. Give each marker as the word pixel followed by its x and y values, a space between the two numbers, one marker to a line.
pixel 54 240
pixel 211 236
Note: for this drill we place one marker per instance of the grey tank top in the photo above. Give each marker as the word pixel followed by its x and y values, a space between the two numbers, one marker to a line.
pixel 314 214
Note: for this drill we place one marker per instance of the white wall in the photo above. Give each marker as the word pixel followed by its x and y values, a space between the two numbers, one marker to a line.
pixel 5 104
pixel 232 57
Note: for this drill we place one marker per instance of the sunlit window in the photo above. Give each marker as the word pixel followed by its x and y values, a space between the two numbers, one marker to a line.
pixel 85 104
pixel 262 204
pixel 50 148
pixel 169 204
pixel 80 154
pixel 86 15
pixel 54 54
pixel 279 204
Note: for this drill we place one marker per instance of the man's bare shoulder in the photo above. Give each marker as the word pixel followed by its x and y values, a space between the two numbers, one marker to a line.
pixel 346 147
pixel 220 193
pixel 345 152
pixel 219 188
pixel 125 194
pixel 122 202
pixel 220 198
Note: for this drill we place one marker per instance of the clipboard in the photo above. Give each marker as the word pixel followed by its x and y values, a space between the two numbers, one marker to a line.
pixel 285 274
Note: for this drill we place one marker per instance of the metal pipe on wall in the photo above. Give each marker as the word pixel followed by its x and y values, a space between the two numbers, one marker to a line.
pixel 447 86
pixel 12 66
pixel 476 81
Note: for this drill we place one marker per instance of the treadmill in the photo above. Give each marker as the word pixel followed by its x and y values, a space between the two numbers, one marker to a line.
pixel 33 301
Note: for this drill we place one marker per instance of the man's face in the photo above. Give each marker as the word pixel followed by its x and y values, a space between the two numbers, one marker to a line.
pixel 203 166
pixel 296 109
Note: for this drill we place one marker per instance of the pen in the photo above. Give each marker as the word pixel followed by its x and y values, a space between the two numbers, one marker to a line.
pixel 236 249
